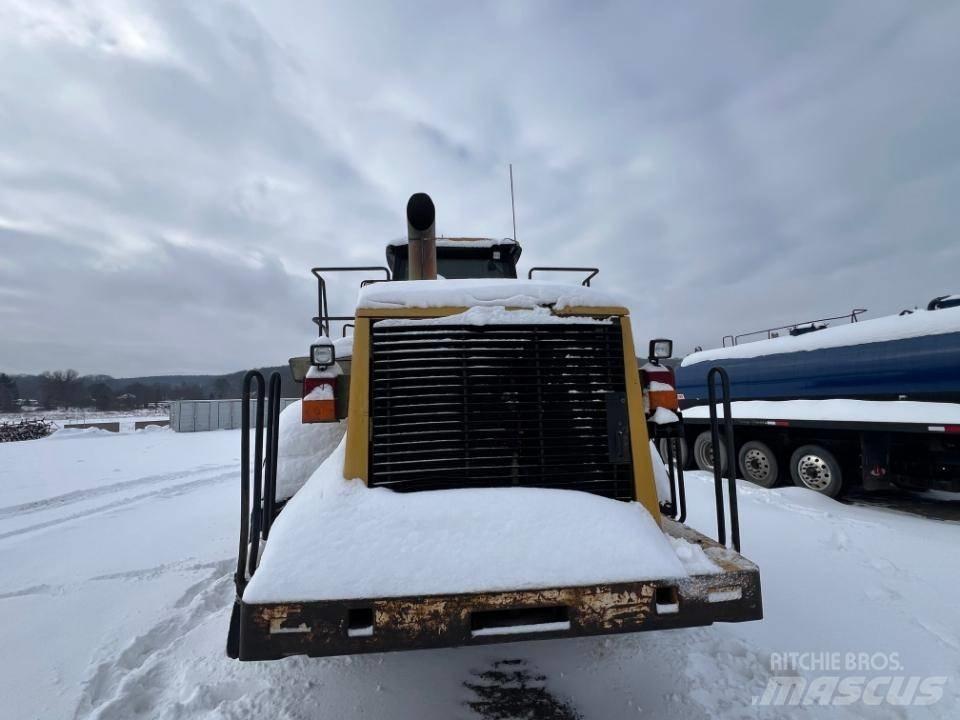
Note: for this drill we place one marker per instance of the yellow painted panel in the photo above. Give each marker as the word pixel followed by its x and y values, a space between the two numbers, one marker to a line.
pixel 358 419
pixel 639 440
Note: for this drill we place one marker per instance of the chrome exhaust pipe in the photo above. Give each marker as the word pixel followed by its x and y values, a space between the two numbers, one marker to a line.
pixel 421 237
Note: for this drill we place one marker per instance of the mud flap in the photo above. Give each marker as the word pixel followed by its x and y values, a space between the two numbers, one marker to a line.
pixel 875 461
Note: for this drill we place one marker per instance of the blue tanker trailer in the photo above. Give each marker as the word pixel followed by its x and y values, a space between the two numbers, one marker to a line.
pixel 874 403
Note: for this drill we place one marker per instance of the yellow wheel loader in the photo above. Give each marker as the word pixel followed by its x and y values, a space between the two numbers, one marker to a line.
pixel 545 392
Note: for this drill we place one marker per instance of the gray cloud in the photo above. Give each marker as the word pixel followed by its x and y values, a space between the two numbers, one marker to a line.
pixel 169 171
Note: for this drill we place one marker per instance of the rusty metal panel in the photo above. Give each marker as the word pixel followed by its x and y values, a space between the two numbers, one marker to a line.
pixel 322 628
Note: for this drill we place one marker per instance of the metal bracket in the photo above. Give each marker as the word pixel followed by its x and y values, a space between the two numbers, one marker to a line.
pixel 586 281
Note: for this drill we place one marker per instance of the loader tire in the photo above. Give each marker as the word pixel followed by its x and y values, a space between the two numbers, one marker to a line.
pixel 703 452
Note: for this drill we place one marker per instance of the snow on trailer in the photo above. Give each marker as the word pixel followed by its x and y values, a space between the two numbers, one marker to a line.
pixel 872 404
pixel 905 357
pixel 884 329
pixel 929 416
pixel 496 483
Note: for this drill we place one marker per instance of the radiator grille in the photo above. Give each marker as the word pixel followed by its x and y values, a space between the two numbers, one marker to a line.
pixel 496 405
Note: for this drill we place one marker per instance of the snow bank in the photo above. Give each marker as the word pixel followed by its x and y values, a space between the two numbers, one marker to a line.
pixel 496 315
pixel 470 293
pixel 894 327
pixel 303 447
pixel 339 539
pixel 343 347
pixel 74 433
pixel 891 411
pixel 660 476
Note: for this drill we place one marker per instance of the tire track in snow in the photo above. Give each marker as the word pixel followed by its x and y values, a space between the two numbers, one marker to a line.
pixel 141 574
pixel 131 683
pixel 165 492
pixel 58 501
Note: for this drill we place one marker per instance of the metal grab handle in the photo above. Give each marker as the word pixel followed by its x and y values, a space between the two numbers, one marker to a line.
pixel 731 458
pixel 273 442
pixel 248 519
pixel 677 487
pixel 586 282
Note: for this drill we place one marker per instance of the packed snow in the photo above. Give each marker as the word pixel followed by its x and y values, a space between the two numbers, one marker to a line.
pixel 496 315
pixel 321 392
pixel 327 373
pixel 302 448
pixel 663 416
pixel 343 347
pixel 118 553
pixel 881 411
pixel 893 327
pixel 470 293
pixel 661 479
pixel 339 539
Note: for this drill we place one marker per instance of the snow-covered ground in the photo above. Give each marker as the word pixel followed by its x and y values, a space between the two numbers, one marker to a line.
pixel 117 554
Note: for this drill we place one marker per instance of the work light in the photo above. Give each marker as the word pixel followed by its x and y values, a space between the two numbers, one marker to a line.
pixel 321 354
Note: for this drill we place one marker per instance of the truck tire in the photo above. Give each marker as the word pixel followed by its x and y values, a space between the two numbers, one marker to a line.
pixel 703 452
pixel 815 468
pixel 684 452
pixel 758 464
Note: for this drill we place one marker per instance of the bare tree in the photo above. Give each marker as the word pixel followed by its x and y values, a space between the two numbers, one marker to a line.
pixel 61 388
pixel 8 393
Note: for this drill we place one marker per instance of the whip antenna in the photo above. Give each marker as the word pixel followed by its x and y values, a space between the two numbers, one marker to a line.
pixel 513 208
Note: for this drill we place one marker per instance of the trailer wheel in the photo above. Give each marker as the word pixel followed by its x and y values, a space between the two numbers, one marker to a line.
pixel 815 468
pixel 703 452
pixel 684 452
pixel 758 464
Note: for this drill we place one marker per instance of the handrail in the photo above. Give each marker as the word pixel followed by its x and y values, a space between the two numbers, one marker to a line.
pixel 273 442
pixel 323 317
pixel 586 282
pixel 854 316
pixel 717 461
pixel 677 485
pixel 247 518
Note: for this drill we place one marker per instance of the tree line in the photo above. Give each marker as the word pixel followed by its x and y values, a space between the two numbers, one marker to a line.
pixel 55 389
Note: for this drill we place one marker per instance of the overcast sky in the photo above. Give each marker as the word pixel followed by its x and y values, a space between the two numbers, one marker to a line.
pixel 169 171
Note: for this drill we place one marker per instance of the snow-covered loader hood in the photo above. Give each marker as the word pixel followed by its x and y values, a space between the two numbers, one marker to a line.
pixel 495 483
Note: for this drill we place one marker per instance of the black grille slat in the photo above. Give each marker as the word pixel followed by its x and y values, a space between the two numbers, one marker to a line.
pixel 492 406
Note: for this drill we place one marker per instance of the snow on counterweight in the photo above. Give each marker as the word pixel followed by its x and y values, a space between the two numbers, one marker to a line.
pixel 338 539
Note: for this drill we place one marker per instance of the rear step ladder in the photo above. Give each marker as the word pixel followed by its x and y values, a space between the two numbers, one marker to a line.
pixel 257 499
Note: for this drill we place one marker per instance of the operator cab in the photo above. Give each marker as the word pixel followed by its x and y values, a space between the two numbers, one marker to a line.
pixel 459 258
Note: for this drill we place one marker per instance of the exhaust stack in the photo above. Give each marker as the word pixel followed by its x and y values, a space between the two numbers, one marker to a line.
pixel 421 237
